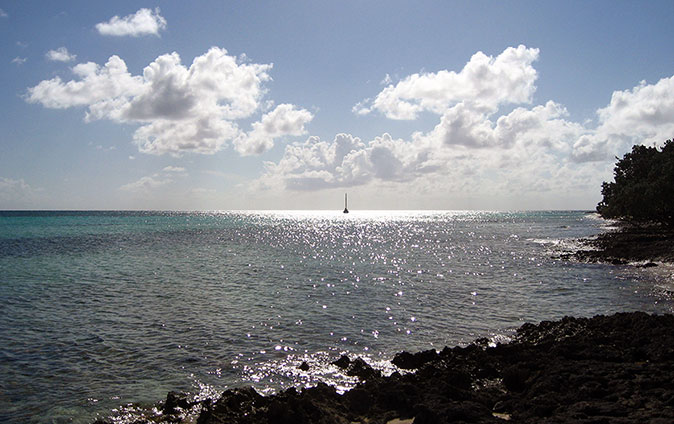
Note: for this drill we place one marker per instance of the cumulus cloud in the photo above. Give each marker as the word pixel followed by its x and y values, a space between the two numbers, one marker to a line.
pixel 60 55
pixel 484 83
pixel 285 119
pixel 105 89
pixel 644 114
pixel 347 161
pixel 470 137
pixel 143 22
pixel 475 147
pixel 543 124
pixel 180 109
pixel 19 60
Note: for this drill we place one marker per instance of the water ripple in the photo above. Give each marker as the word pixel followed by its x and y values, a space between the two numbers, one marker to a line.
pixel 100 310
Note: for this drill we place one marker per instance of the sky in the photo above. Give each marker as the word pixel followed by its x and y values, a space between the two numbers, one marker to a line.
pixel 230 105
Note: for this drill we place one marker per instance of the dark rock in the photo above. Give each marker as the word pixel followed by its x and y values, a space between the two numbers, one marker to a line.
pixel 500 406
pixel 175 400
pixel 631 243
pixel 304 366
pixel 606 369
pixel 408 361
pixel 359 400
pixel 343 362
pixel 361 369
pixel 515 378
pixel 233 406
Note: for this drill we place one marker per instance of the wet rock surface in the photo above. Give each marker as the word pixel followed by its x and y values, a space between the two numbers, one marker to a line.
pixel 631 243
pixel 606 369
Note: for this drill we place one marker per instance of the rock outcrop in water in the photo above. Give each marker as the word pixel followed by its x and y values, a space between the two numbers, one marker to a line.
pixel 606 369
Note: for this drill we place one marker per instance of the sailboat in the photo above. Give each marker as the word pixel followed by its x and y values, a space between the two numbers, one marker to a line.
pixel 346 210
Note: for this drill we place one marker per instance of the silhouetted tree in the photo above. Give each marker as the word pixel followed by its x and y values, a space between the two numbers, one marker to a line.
pixel 644 186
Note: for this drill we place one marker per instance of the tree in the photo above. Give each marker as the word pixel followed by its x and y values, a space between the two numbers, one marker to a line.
pixel 643 189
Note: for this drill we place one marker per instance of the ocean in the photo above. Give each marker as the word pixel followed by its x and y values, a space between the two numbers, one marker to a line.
pixel 105 312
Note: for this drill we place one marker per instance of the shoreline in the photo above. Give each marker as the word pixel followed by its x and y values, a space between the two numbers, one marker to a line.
pixel 616 368
pixel 645 244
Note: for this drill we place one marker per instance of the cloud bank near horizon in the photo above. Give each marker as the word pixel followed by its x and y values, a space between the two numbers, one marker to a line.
pixel 531 147
pixel 488 130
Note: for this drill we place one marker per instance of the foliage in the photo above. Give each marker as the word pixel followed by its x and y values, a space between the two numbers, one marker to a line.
pixel 644 186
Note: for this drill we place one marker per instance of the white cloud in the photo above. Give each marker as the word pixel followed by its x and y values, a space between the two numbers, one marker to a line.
pixel 143 22
pixel 16 193
pixel 642 115
pixel 60 55
pixel 19 60
pixel 285 119
pixel 3 14
pixel 387 80
pixel 488 140
pixel 149 183
pixel 145 184
pixel 543 124
pixel 180 109
pixel 484 83
pixel 521 148
pixel 205 135
pixel 528 152
pixel 169 168
pixel 103 89
pixel 9 185
pixel 347 161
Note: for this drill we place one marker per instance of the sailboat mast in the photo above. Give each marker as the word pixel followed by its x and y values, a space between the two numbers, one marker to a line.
pixel 346 209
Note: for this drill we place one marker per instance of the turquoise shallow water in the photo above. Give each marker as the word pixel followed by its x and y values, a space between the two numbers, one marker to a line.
pixel 100 309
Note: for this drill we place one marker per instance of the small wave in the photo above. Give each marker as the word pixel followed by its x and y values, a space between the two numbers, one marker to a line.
pixel 604 223
pixel 565 245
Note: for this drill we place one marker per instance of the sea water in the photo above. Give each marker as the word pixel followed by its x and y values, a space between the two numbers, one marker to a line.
pixel 99 310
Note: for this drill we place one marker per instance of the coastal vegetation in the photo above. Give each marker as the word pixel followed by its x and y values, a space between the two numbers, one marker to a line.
pixel 643 190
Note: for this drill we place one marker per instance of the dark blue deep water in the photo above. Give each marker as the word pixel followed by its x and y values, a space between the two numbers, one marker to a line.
pixel 101 309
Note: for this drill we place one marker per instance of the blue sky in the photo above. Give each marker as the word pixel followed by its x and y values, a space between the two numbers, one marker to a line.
pixel 287 105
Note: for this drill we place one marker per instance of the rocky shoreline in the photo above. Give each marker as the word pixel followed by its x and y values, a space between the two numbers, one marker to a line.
pixel 605 369
pixel 630 242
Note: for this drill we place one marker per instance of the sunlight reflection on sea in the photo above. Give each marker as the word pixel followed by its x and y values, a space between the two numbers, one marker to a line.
pixel 102 309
